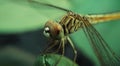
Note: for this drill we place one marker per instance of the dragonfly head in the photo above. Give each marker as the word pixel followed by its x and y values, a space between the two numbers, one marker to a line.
pixel 53 30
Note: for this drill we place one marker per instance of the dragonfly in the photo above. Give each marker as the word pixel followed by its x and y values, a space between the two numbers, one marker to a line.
pixel 59 33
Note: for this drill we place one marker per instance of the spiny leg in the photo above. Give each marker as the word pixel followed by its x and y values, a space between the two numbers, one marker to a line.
pixel 57 50
pixel 63 50
pixel 53 45
pixel 73 47
pixel 50 46
pixel 61 45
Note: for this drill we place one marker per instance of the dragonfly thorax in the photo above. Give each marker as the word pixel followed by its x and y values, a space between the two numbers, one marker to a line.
pixel 70 23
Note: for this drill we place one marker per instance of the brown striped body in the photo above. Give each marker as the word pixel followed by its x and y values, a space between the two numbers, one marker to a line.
pixel 99 18
pixel 70 23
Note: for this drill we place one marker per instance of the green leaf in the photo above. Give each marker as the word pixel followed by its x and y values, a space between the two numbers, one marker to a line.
pixel 52 59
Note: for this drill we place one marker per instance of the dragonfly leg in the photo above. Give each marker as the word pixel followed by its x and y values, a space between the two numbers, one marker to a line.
pixel 73 47
pixel 57 50
pixel 63 50
pixel 50 46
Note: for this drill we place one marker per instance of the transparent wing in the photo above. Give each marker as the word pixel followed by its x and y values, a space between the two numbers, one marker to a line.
pixel 104 53
pixel 49 9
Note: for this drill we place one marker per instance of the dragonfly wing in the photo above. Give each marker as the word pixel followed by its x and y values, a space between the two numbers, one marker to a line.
pixel 49 9
pixel 103 52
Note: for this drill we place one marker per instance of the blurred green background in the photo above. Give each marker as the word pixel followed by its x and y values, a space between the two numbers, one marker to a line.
pixel 21 28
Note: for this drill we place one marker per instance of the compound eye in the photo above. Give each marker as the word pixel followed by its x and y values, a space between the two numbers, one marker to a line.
pixel 46 31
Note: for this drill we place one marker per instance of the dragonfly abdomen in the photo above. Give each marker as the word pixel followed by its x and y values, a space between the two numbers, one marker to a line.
pixel 101 18
pixel 70 23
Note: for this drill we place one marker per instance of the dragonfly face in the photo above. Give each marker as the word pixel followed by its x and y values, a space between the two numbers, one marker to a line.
pixel 53 30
